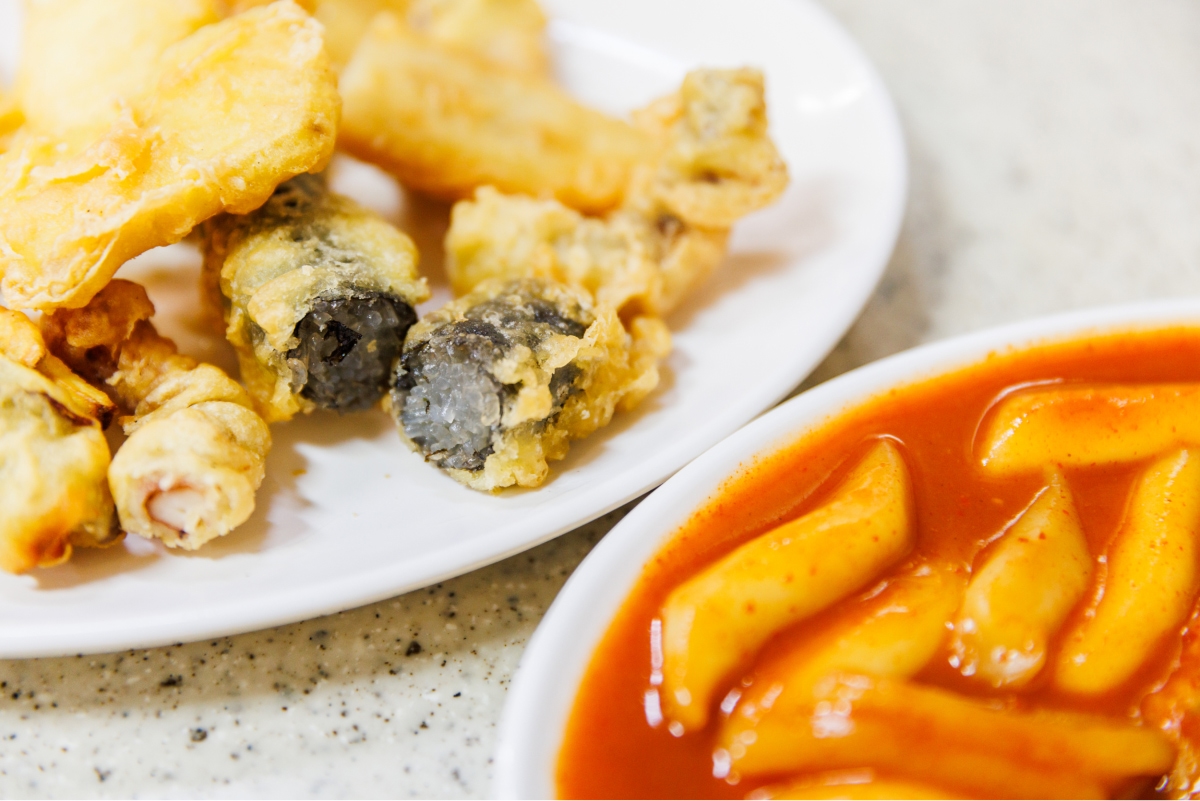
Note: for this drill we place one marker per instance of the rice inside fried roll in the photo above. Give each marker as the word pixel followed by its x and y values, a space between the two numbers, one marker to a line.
pixel 316 295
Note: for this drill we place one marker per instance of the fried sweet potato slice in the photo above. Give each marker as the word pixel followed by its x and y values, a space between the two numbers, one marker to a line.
pixel 196 451
pixel 1021 595
pixel 508 33
pixel 238 107
pixel 934 736
pixel 80 60
pixel 53 456
pixel 1151 583
pixel 446 122
pixel 1090 425
pixel 716 621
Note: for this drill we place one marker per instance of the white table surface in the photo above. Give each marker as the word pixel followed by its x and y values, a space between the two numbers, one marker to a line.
pixel 1055 165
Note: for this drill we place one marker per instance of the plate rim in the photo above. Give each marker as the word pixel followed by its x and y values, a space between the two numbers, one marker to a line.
pixel 562 644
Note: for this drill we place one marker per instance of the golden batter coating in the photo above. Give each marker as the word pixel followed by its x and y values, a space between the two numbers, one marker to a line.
pixel 81 59
pixel 239 106
pixel 508 33
pixel 445 122
pixel 53 456
pixel 716 164
pixel 494 385
pixel 196 451
pixel 316 294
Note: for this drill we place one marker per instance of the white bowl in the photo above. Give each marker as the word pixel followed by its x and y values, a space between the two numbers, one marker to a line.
pixel 544 689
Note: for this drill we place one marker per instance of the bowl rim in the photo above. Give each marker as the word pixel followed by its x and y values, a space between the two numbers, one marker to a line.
pixel 544 687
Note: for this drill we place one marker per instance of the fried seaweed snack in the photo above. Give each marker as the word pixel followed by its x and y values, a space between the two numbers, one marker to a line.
pixel 317 294
pixel 445 122
pixel 238 107
pixel 494 385
pixel 716 164
pixel 53 456
pixel 196 451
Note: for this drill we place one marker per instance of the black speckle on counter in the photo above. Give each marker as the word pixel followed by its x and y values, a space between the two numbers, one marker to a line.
pixel 413 649
pixel 198 735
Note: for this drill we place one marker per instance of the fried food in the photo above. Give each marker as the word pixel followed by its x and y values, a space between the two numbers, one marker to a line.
pixel 508 33
pixel 1151 583
pixel 316 294
pixel 716 163
pixel 196 451
pixel 1087 426
pixel 53 455
pixel 11 120
pixel 1019 598
pixel 719 619
pixel 494 385
pixel 445 122
pixel 81 60
pixel 238 107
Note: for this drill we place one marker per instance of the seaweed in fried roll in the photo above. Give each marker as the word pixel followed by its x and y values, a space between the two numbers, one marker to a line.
pixel 316 294
pixel 494 385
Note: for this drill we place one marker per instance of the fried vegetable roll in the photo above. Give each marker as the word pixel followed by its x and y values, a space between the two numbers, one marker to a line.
pixel 238 107
pixel 494 385
pixel 53 456
pixel 196 451
pixel 716 164
pixel 317 295
pixel 445 122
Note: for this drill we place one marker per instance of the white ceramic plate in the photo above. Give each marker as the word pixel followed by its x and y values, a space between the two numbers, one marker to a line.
pixel 348 515
pixel 551 668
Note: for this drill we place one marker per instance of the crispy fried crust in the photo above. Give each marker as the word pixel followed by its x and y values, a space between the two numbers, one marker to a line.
pixel 716 164
pixel 196 451
pixel 266 270
pixel 80 59
pixel 558 369
pixel 210 138
pixel 508 33
pixel 445 122
pixel 53 455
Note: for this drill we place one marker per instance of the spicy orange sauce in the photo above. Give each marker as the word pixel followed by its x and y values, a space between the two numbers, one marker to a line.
pixel 610 751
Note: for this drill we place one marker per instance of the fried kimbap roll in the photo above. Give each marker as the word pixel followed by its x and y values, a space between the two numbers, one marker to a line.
pixel 317 294
pixel 53 456
pixel 716 163
pixel 494 385
pixel 196 451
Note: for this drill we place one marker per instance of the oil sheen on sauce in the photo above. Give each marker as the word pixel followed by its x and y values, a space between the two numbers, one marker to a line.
pixel 610 750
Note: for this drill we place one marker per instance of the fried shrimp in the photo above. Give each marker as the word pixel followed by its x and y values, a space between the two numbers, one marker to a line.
pixel 445 122
pixel 716 163
pixel 53 456
pixel 317 295
pixel 239 106
pixel 494 385
pixel 195 454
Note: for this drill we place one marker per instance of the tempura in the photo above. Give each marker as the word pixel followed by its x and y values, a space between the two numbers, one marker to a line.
pixel 53 456
pixel 317 294
pixel 494 385
pixel 239 106
pixel 195 452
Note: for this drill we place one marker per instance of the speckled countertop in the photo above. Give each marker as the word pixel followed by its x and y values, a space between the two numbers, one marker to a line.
pixel 1055 165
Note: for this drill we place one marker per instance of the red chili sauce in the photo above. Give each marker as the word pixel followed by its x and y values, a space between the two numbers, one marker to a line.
pixel 610 750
